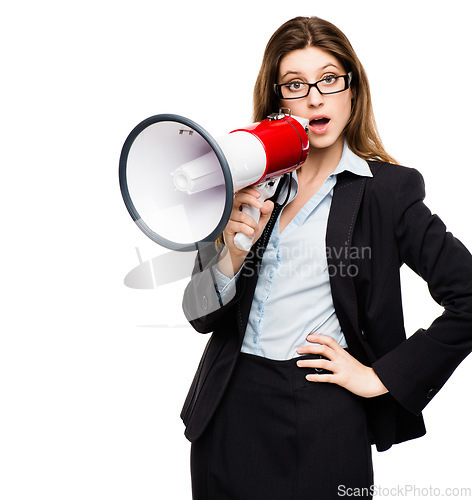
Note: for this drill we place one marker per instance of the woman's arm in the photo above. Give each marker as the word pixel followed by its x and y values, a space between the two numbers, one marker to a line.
pixel 414 371
pixel 204 305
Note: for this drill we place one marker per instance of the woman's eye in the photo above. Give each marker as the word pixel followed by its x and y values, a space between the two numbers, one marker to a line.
pixel 329 79
pixel 295 86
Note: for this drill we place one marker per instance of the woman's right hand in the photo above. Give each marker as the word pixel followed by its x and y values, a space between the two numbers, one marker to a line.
pixel 240 222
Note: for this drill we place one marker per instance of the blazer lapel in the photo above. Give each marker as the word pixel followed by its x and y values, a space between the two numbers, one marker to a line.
pixel 342 217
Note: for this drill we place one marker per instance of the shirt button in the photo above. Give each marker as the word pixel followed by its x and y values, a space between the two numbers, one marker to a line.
pixel 276 243
pixel 272 274
pixel 205 302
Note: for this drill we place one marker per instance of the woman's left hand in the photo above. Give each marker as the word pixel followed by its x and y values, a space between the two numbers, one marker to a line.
pixel 348 372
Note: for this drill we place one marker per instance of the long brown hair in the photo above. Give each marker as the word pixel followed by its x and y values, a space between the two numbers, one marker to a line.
pixel 361 132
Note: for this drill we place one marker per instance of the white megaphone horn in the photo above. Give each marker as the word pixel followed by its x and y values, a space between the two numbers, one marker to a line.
pixel 178 182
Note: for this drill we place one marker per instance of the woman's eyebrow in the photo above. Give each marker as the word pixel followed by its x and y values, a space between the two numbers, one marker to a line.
pixel 328 65
pixel 292 72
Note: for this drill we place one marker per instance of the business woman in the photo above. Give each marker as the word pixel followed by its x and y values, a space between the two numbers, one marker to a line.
pixel 308 363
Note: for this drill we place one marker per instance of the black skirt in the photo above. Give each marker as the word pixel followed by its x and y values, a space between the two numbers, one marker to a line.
pixel 277 436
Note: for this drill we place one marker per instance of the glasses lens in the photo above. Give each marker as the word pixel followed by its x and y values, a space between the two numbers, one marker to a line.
pixel 294 90
pixel 332 84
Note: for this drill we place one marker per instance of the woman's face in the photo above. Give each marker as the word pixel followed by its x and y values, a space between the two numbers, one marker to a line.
pixel 328 114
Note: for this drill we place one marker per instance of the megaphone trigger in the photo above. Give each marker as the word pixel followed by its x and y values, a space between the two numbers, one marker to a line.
pixel 266 190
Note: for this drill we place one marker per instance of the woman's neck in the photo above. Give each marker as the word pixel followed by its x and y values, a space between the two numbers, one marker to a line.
pixel 321 162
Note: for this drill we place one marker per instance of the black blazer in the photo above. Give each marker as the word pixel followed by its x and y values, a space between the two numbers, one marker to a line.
pixel 375 225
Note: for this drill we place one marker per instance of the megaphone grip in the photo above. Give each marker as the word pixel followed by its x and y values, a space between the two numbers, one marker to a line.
pixel 266 189
pixel 241 240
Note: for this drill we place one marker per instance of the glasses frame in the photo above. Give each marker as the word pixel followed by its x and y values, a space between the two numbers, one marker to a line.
pixel 347 83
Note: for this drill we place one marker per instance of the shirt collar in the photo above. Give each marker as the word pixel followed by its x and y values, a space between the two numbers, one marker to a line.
pixel 349 161
pixel 353 163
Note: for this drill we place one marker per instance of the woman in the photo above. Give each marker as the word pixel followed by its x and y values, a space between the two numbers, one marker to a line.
pixel 308 363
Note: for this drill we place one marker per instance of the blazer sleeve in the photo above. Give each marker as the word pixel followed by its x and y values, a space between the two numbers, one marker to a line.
pixel 203 304
pixel 416 370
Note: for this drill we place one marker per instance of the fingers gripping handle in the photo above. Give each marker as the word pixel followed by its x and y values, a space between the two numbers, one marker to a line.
pixel 241 240
pixel 266 189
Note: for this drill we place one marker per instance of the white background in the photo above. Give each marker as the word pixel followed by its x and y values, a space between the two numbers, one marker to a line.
pixel 93 374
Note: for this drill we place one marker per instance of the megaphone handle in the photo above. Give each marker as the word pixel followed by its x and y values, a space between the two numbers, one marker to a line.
pixel 266 189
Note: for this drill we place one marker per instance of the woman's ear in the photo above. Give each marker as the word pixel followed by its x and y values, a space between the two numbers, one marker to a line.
pixel 353 97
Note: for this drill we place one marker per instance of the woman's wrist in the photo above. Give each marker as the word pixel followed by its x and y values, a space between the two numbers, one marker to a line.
pixel 229 262
pixel 377 388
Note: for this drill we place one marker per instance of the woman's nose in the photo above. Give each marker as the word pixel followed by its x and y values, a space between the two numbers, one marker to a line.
pixel 314 97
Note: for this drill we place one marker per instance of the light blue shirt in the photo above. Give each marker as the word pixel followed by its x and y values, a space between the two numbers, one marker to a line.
pixel 293 294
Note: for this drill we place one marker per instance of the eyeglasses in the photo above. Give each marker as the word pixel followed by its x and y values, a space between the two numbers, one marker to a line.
pixel 328 85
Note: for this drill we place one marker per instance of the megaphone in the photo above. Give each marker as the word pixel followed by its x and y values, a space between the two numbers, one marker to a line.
pixel 178 182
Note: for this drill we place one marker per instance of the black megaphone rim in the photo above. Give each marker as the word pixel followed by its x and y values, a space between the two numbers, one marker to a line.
pixel 172 245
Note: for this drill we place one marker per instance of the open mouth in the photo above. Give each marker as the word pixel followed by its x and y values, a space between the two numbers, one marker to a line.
pixel 319 125
pixel 319 122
